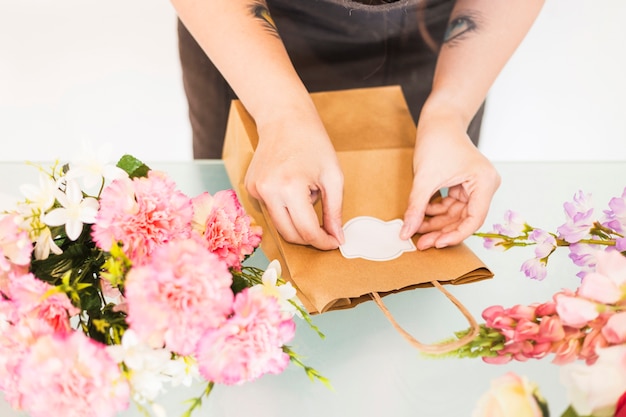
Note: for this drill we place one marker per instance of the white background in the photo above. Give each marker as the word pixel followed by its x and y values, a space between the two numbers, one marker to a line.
pixel 108 71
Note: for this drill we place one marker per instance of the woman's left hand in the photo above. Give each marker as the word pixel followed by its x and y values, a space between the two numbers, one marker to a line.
pixel 445 157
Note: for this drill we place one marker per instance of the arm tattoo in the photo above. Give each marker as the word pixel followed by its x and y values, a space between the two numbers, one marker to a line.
pixel 461 26
pixel 259 10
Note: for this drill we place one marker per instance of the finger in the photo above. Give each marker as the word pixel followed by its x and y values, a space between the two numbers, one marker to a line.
pixel 332 200
pixel 439 222
pixel 427 241
pixel 281 219
pixel 440 206
pixel 305 221
pixel 477 208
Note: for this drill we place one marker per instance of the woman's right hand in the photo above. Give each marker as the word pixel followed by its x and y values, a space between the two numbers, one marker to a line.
pixel 293 166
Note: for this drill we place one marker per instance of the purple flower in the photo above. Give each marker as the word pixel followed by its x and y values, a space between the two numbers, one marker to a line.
pixel 620 244
pixel 514 225
pixel 616 217
pixel 546 243
pixel 535 268
pixel 579 218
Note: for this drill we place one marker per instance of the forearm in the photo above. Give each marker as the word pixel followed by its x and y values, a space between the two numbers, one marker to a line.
pixel 481 37
pixel 241 40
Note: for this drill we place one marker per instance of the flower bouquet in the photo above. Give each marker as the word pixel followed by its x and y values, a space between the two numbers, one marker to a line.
pixel 584 330
pixel 115 285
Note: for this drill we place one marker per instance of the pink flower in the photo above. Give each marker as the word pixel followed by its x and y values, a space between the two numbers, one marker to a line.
pixel 509 396
pixel 180 292
pixel 142 214
pixel 566 351
pixel 249 344
pixel 612 264
pixel 526 330
pixel 579 218
pixel 546 309
pixel 615 329
pixel 575 312
pixel 71 375
pixel 550 330
pixel 593 341
pixel 600 288
pixel 37 299
pixel 520 312
pixel 15 249
pixel 221 220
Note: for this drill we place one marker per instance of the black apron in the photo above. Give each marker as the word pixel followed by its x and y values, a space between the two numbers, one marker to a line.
pixel 334 45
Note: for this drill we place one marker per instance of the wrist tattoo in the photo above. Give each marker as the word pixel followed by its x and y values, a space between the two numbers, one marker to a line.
pixel 259 10
pixel 461 26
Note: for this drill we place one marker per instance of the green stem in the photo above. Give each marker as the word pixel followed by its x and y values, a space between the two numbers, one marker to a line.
pixel 197 402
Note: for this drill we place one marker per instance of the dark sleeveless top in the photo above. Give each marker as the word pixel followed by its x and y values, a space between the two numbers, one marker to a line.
pixel 334 45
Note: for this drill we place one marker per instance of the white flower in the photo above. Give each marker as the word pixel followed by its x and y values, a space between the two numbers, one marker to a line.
pixel 44 244
pixel 595 389
pixel 146 366
pixel 40 197
pixel 510 395
pixel 283 292
pixel 92 165
pixel 182 371
pixel 76 210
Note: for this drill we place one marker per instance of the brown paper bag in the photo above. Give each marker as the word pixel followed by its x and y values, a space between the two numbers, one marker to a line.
pixel 373 134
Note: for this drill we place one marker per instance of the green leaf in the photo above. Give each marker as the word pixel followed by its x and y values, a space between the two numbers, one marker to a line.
pixel 133 166
pixel 542 403
pixel 239 283
pixel 570 412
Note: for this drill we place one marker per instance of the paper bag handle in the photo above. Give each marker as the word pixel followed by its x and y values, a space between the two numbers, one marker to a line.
pixel 437 348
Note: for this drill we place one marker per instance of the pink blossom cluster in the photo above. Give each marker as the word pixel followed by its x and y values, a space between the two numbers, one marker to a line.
pixel 144 213
pixel 175 296
pixel 178 292
pixel 226 228
pixel 46 368
pixel 573 325
pixel 15 249
pixel 181 298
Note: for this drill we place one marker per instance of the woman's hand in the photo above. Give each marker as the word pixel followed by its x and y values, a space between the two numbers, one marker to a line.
pixel 293 166
pixel 446 157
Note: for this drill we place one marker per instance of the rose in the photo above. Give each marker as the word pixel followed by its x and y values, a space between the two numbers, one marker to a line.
pixel 511 396
pixel 595 389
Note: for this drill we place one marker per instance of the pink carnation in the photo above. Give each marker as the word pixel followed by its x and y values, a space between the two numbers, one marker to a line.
pixel 180 292
pixel 249 344
pixel 142 214
pixel 15 249
pixel 39 300
pixel 221 220
pixel 71 375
